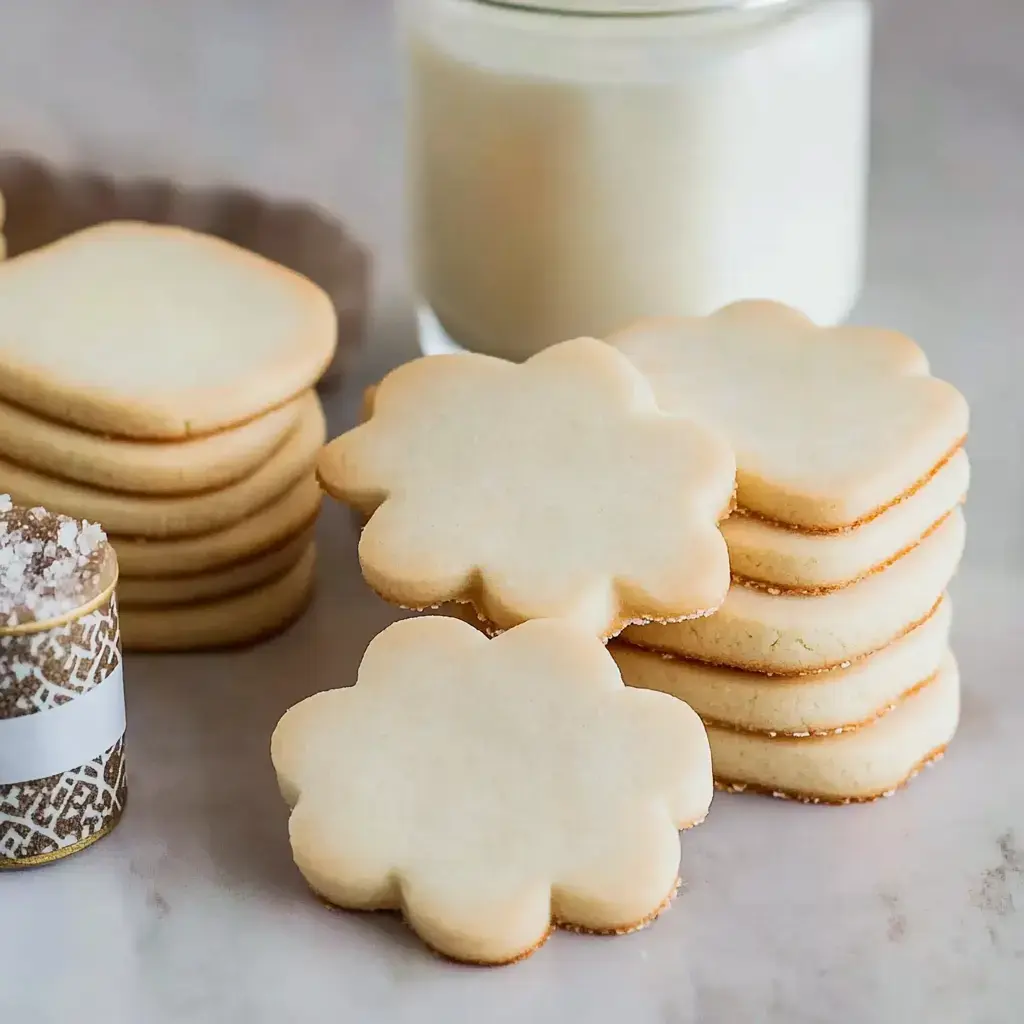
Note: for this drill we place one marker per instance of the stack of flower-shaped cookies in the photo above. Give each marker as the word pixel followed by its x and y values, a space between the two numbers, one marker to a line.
pixel 826 675
pixel 159 382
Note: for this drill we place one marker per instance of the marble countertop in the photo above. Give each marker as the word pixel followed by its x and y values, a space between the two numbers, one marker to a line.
pixel 909 909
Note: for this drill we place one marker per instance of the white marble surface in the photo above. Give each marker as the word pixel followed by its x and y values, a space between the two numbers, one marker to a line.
pixel 908 910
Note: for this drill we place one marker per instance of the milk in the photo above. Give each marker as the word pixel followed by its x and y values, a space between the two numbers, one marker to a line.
pixel 569 174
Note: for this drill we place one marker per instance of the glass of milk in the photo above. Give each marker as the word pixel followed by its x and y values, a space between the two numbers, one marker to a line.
pixel 577 164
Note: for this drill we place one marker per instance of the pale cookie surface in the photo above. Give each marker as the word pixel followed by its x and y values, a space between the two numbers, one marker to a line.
pixel 490 789
pixel 264 530
pixel 233 579
pixel 553 488
pixel 830 425
pixel 143 467
pixel 791 633
pixel 774 556
pixel 149 331
pixel 854 766
pixel 819 704
pixel 242 619
pixel 167 516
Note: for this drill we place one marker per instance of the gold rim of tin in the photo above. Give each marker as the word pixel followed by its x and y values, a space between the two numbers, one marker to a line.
pixel 14 863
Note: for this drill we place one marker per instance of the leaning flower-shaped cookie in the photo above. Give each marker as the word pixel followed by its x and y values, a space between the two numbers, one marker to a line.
pixel 554 488
pixel 492 788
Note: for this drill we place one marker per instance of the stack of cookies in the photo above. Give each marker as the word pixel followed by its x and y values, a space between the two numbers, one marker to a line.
pixel 160 382
pixel 761 515
pixel 826 675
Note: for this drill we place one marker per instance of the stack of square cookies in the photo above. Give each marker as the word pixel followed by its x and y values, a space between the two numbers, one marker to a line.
pixel 826 675
pixel 160 382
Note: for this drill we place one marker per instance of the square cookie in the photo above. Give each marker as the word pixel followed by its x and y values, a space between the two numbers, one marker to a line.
pixel 830 425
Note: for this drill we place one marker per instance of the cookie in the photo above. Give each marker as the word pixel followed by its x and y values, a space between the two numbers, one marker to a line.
pixel 229 622
pixel 864 764
pixel 146 331
pixel 167 516
pixel 787 634
pixel 490 789
pixel 830 425
pixel 817 704
pixel 257 534
pixel 143 467
pixel 138 592
pixel 794 560
pixel 552 488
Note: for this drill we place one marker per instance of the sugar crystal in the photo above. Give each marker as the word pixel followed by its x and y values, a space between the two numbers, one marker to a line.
pixel 49 564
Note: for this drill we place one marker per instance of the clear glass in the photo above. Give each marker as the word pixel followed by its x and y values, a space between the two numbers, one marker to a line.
pixel 570 173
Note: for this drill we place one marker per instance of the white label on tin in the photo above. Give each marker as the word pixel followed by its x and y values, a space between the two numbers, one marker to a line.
pixel 60 739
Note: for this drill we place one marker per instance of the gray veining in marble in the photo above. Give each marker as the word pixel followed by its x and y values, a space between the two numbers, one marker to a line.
pixel 908 910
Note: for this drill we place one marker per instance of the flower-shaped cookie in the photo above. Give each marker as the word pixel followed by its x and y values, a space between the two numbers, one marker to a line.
pixel 830 425
pixel 492 788
pixel 554 488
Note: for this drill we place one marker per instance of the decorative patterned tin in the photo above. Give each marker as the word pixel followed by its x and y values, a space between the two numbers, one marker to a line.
pixel 62 776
